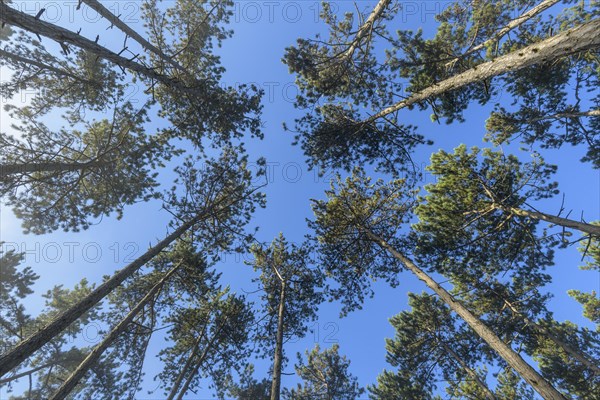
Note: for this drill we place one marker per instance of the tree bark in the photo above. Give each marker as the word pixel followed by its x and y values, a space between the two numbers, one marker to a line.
pixel 543 387
pixel 33 343
pixel 366 28
pixel 543 331
pixel 581 38
pixel 526 16
pixel 113 19
pixel 278 359
pixel 482 385
pixel 73 379
pixel 61 35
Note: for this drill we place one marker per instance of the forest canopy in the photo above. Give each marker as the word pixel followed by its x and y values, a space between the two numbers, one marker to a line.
pixel 418 220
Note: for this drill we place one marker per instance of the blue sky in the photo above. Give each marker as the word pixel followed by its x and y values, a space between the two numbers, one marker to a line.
pixel 262 31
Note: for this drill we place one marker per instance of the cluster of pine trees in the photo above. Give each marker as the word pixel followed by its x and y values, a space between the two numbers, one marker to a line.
pixel 481 328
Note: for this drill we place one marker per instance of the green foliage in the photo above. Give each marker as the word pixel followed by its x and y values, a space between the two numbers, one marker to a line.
pixel 49 367
pixel 463 219
pixel 224 193
pixel 430 345
pixel 325 376
pixel 84 174
pixel 511 387
pixel 214 330
pixel 590 303
pixel 565 373
pixel 248 387
pixel 590 248
pixel 337 82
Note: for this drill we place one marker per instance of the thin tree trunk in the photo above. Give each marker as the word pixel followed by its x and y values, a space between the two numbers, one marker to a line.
pixel 278 359
pixel 187 365
pixel 194 372
pixel 33 343
pixel 366 28
pixel 567 223
pixel 113 19
pixel 63 36
pixel 526 16
pixel 61 72
pixel 73 379
pixel 482 385
pixel 26 373
pixel 574 114
pixel 577 355
pixel 581 38
pixel 544 388
pixel 12 169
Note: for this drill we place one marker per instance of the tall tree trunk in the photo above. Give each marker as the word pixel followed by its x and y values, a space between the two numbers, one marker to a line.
pixel 482 385
pixel 12 169
pixel 567 223
pixel 526 16
pixel 63 36
pixel 543 331
pixel 581 38
pixel 73 379
pixel 113 19
pixel 33 343
pixel 194 372
pixel 543 387
pixel 366 28
pixel 187 365
pixel 278 359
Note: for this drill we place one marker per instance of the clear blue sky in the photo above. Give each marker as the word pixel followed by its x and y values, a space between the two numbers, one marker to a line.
pixel 262 30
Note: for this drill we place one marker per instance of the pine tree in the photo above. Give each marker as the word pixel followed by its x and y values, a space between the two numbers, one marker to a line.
pixel 366 217
pixel 290 291
pixel 211 337
pixel 324 376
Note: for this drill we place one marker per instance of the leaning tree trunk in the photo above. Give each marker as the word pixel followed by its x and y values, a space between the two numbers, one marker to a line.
pixel 201 360
pixel 113 19
pixel 526 16
pixel 543 387
pixel 482 385
pixel 581 38
pixel 33 343
pixel 9 15
pixel 73 379
pixel 187 365
pixel 567 223
pixel 278 359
